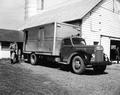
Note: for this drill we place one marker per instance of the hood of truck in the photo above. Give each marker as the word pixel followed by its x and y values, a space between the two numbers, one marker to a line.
pixel 90 49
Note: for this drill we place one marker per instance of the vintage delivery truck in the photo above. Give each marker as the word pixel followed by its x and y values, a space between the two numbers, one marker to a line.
pixel 62 43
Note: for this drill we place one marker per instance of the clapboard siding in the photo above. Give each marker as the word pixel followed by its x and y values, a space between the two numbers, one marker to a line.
pixel 110 23
pixel 86 33
pixel 102 20
pixel 91 27
pixel 111 5
pixel 108 4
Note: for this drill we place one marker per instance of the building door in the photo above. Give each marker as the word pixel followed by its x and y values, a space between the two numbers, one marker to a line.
pixel 113 47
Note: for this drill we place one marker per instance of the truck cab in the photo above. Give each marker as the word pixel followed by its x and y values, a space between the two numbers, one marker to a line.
pixel 75 52
pixel 69 46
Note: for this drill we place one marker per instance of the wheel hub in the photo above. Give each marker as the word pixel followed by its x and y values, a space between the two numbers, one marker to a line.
pixel 77 64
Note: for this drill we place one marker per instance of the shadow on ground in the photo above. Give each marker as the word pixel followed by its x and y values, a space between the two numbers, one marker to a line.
pixel 92 72
pixel 66 68
pixel 19 81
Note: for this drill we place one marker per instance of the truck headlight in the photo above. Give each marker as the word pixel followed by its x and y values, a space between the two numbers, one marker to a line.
pixel 106 57
pixel 93 57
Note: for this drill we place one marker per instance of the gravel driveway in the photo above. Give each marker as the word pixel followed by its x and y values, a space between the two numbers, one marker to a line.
pixel 89 83
pixel 62 82
pixel 15 80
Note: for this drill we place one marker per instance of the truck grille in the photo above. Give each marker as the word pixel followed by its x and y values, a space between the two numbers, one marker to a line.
pixel 99 56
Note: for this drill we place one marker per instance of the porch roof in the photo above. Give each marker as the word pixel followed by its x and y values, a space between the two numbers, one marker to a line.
pixel 11 35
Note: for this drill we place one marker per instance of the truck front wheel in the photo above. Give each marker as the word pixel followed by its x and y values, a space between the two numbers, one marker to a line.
pixel 78 65
pixel 99 69
pixel 33 59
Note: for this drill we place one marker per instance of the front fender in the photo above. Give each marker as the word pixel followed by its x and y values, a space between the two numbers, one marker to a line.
pixel 71 56
pixel 82 54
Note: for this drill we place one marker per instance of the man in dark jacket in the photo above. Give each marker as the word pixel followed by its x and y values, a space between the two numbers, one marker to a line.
pixel 13 51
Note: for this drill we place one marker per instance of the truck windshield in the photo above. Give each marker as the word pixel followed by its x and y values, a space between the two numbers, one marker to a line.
pixel 78 41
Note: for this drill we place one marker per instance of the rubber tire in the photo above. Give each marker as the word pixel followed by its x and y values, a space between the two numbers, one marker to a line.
pixel 81 69
pixel 99 69
pixel 33 59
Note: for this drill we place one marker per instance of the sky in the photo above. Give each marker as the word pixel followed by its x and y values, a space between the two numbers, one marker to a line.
pixel 12 12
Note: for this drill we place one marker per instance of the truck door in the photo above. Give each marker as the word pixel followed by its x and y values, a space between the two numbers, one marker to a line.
pixel 66 49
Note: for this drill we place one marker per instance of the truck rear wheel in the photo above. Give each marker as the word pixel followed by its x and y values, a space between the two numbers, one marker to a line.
pixel 78 65
pixel 99 69
pixel 33 59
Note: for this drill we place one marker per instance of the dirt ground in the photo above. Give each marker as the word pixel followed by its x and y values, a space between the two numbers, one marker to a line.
pixel 15 80
pixel 26 79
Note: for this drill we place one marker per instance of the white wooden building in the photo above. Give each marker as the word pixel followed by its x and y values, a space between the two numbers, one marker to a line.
pixel 99 21
pixel 102 25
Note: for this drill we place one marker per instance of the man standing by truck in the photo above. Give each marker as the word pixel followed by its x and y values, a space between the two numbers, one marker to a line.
pixel 117 55
pixel 13 52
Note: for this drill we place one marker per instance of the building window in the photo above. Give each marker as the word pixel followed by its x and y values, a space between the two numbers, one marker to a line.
pixel 5 45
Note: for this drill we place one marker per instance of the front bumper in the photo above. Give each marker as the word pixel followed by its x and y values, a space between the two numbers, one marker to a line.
pixel 101 63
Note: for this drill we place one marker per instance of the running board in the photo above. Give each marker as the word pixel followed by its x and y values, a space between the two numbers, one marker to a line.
pixel 64 63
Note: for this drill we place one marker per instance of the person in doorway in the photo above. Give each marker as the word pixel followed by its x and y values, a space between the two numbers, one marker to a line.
pixel 117 55
pixel 13 51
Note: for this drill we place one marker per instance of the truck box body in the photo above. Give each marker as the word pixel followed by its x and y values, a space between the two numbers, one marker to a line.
pixel 46 39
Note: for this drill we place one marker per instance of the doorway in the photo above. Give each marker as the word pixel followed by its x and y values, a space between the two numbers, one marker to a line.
pixel 113 46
